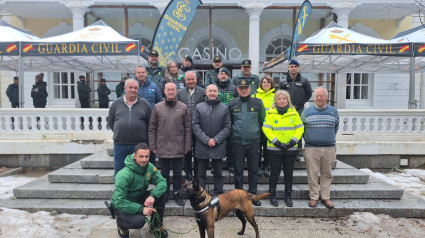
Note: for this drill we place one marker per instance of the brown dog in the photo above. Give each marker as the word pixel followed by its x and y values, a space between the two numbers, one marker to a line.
pixel 208 211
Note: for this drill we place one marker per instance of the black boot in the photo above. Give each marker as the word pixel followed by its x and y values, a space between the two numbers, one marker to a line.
pixel 288 199
pixel 273 200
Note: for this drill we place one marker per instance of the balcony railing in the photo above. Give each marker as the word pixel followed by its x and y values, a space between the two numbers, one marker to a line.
pixel 52 120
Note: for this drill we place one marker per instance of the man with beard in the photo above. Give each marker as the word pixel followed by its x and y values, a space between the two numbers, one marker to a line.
pixel 170 137
pixel 247 114
pixel 300 90
pixel 211 76
pixel 155 71
pixel 226 92
pixel 187 65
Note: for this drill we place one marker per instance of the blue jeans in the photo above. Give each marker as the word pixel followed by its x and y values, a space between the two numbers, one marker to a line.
pixel 120 153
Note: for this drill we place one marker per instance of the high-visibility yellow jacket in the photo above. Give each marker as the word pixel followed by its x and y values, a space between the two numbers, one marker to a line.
pixel 266 97
pixel 282 127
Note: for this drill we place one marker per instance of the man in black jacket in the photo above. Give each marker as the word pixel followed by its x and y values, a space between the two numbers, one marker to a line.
pixel 129 120
pixel 12 92
pixel 103 91
pixel 299 89
pixel 83 92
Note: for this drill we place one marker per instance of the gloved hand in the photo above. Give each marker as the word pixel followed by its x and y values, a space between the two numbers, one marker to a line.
pixel 290 143
pixel 281 146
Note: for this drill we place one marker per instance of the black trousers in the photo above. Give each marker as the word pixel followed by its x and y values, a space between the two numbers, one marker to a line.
pixel 251 152
pixel 188 160
pixel 15 104
pixel 84 102
pixel 177 164
pixel 217 165
pixel 137 221
pixel 263 152
pixel 103 105
pixel 229 158
pixel 282 161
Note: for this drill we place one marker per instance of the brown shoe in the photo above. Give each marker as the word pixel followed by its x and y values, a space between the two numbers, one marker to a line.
pixel 328 203
pixel 312 203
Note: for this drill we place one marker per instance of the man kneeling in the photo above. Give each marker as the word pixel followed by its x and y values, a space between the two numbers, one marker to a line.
pixel 132 200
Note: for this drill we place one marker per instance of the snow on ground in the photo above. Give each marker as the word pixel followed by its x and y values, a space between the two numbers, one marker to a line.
pixel 17 223
pixel 8 183
pixel 410 181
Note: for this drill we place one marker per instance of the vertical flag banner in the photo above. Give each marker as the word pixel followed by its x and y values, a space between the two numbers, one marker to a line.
pixel 172 27
pixel 302 18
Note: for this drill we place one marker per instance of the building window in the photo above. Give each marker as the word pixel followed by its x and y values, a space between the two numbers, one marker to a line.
pixel 357 86
pixel 276 47
pixel 63 85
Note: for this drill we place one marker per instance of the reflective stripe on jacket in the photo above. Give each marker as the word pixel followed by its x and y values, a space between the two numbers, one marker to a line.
pixel 282 127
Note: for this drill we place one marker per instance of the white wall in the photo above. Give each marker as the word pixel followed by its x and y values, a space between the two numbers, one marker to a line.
pixel 391 91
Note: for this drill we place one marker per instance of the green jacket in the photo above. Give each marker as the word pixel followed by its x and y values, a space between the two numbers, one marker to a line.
pixel 253 81
pixel 283 128
pixel 267 98
pixel 156 74
pixel 247 116
pixel 131 184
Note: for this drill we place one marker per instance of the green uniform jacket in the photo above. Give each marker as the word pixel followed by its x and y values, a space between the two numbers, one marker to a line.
pixel 282 127
pixel 267 98
pixel 211 77
pixel 156 74
pixel 247 116
pixel 131 184
pixel 253 81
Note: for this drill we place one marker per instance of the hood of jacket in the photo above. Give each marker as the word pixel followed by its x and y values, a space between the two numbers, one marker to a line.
pixel 131 164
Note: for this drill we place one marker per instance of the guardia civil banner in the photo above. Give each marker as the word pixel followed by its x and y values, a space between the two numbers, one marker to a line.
pixel 302 18
pixel 172 27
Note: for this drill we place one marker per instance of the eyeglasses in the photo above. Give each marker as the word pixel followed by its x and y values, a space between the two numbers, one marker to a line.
pixel 246 67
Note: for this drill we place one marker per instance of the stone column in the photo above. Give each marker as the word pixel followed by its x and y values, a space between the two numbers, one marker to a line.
pixel 254 37
pixel 78 17
pixel 342 14
pixel 78 9
pixel 342 9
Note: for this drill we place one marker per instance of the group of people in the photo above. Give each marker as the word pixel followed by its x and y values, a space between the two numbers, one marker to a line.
pixel 38 92
pixel 181 123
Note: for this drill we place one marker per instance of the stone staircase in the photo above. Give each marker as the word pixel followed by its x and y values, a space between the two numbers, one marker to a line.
pixel 81 188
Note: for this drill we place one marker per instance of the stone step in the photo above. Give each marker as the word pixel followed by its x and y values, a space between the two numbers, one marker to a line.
pixel 42 188
pixel 74 173
pixel 103 160
pixel 408 206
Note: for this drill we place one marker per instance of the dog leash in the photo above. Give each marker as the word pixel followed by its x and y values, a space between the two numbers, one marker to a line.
pixel 157 231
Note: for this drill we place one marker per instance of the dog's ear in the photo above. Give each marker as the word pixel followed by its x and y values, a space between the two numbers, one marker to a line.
pixel 195 183
pixel 188 178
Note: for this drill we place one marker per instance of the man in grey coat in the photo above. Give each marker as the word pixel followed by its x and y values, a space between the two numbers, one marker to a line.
pixel 211 125
pixel 191 95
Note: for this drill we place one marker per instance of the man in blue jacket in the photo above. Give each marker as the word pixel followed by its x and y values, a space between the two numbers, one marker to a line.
pixel 147 89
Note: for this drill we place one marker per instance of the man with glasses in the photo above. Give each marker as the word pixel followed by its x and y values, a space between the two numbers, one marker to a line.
pixel 251 79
